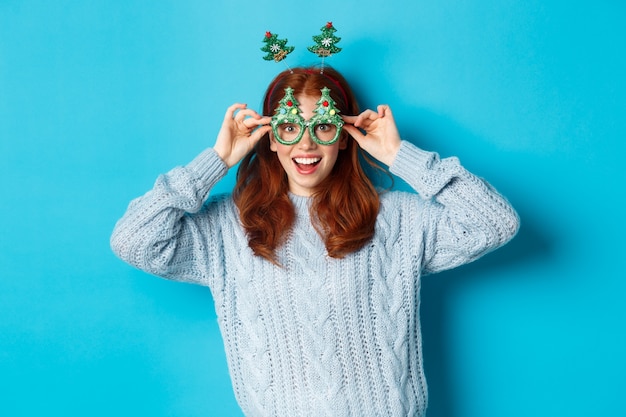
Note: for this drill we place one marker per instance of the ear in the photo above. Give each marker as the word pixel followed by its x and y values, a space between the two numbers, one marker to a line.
pixel 273 145
pixel 343 141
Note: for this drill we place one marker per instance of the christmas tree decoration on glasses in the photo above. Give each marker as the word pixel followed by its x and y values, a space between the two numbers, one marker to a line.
pixel 288 124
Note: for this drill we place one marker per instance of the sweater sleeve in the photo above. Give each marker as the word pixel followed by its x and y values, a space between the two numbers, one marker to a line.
pixel 160 233
pixel 464 217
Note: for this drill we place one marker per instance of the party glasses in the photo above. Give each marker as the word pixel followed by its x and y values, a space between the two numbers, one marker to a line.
pixel 289 126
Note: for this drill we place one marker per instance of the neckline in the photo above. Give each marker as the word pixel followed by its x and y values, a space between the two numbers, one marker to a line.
pixel 300 203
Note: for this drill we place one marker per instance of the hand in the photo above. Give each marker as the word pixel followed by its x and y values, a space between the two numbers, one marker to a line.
pixel 381 138
pixel 241 130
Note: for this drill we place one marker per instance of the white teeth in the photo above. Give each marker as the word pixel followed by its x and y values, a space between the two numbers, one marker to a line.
pixel 307 161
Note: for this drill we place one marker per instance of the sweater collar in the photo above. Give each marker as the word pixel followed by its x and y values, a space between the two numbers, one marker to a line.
pixel 300 204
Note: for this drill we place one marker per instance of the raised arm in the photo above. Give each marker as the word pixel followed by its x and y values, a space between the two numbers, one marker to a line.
pixel 466 217
pixel 162 233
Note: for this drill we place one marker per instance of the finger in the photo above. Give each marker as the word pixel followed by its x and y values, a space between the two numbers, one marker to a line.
pixel 370 114
pixel 249 118
pixel 249 113
pixel 365 118
pixel 385 111
pixel 239 116
pixel 259 133
pixel 244 114
pixel 230 112
pixel 354 132
pixel 251 122
pixel 349 119
pixel 261 121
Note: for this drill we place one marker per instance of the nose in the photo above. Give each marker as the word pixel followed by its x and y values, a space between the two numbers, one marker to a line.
pixel 307 142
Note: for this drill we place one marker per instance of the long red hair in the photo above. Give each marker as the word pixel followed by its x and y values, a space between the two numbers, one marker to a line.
pixel 345 205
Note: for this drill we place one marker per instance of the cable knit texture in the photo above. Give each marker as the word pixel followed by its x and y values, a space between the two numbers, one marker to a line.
pixel 319 336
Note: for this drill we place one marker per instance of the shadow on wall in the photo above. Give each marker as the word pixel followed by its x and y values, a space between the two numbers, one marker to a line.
pixel 532 245
pixel 529 246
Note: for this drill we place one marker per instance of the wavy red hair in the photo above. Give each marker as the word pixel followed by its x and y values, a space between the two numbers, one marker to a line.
pixel 344 206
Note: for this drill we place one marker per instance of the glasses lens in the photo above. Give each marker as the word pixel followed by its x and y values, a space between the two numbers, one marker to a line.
pixel 288 132
pixel 325 133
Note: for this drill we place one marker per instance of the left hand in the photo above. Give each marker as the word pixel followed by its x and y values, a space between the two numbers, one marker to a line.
pixel 381 138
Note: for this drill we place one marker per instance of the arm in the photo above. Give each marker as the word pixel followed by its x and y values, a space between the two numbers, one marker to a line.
pixel 466 217
pixel 160 232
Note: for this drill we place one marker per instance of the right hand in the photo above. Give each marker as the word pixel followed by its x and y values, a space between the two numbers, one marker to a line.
pixel 241 130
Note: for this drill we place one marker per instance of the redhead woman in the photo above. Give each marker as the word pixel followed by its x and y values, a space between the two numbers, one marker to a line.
pixel 314 271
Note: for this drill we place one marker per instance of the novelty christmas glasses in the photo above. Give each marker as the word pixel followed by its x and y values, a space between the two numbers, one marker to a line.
pixel 289 126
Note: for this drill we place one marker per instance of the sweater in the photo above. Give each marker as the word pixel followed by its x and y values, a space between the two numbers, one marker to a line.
pixel 319 336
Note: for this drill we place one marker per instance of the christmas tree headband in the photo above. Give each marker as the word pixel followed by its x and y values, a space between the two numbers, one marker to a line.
pixel 276 49
pixel 325 45
pixel 287 124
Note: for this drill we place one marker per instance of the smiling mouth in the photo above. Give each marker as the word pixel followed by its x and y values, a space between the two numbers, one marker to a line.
pixel 307 162
pixel 306 165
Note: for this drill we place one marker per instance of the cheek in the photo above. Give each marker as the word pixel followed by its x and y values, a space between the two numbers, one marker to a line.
pixel 283 152
pixel 333 153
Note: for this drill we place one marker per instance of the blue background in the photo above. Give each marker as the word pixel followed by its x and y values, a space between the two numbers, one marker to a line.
pixel 97 98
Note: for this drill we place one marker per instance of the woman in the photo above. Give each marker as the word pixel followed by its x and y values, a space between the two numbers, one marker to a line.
pixel 315 275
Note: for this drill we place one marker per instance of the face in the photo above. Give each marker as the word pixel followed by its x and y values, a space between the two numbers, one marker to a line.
pixel 306 163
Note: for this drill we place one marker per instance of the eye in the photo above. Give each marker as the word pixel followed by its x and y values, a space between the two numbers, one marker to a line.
pixel 324 127
pixel 288 127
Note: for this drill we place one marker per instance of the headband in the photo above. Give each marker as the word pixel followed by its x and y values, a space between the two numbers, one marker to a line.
pixel 325 46
pixel 308 71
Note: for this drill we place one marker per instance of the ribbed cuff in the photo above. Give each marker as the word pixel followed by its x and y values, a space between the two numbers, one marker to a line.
pixel 208 167
pixel 423 170
pixel 409 160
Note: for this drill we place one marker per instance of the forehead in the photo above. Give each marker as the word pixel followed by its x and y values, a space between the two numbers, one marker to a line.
pixel 307 104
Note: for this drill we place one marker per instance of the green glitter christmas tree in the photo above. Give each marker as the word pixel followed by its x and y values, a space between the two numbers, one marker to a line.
pixel 288 108
pixel 275 48
pixel 288 111
pixel 325 43
pixel 327 113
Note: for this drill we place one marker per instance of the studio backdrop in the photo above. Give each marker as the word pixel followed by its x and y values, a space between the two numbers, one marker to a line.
pixel 98 98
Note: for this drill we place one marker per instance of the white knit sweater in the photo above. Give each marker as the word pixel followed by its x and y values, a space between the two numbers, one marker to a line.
pixel 319 336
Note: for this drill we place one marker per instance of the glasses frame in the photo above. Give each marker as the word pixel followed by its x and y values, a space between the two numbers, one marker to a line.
pixel 290 114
